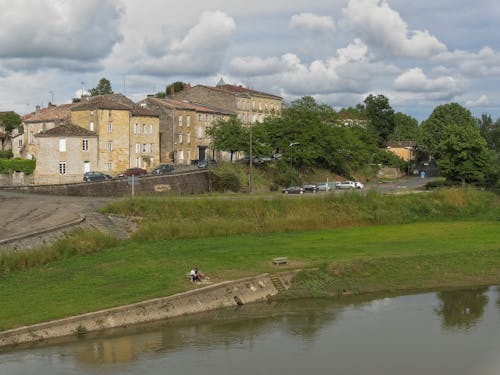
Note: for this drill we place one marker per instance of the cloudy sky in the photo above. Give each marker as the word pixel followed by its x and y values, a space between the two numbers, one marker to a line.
pixel 419 54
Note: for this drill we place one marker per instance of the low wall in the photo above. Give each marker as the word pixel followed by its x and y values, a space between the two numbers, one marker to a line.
pixel 207 298
pixel 194 182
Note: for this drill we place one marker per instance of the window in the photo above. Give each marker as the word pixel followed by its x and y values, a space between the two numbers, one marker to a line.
pixel 188 120
pixel 180 156
pixel 150 147
pixel 144 147
pixel 138 162
pixel 110 127
pixel 62 145
pixel 180 138
pixel 199 132
pixel 62 167
pixel 188 138
pixel 144 129
pixel 109 165
pixel 91 126
pixel 20 143
pixel 137 128
pixel 137 148
pixel 180 120
pixel 31 138
pixel 110 146
pixel 85 145
pixel 150 128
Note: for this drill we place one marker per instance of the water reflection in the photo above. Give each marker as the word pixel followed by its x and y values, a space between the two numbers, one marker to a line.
pixel 461 309
pixel 224 328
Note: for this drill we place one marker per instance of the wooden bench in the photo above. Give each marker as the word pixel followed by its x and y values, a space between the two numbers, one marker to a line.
pixel 280 260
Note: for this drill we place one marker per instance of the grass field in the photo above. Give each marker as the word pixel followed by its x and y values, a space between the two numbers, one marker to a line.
pixel 86 272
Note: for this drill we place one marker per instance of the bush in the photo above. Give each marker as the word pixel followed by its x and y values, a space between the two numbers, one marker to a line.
pixel 6 154
pixel 230 181
pixel 17 165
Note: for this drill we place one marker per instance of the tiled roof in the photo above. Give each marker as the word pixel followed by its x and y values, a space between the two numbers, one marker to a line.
pixel 67 130
pixel 188 105
pixel 244 90
pixel 114 102
pixel 50 114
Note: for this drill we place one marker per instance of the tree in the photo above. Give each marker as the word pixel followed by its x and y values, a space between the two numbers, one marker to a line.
pixel 405 128
pixel 10 120
pixel 452 137
pixel 175 87
pixel 102 88
pixel 433 131
pixel 381 116
pixel 228 135
pixel 490 131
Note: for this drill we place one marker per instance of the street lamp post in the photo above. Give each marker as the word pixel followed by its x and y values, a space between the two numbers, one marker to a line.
pixel 291 160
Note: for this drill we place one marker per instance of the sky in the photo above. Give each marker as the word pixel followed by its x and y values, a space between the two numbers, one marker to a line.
pixel 419 54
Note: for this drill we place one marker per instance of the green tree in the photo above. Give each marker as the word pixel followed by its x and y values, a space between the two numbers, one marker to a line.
pixel 490 131
pixel 434 130
pixel 10 120
pixel 405 128
pixel 381 116
pixel 228 135
pixel 102 88
pixel 175 87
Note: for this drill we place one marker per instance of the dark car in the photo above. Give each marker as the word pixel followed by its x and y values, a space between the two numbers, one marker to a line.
pixel 133 172
pixel 163 168
pixel 310 188
pixel 294 190
pixel 96 176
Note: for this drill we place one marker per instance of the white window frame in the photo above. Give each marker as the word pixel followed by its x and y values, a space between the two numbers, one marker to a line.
pixel 109 165
pixel 180 120
pixel 110 127
pixel 188 120
pixel 62 167
pixel 137 128
pixel 91 126
pixel 137 148
pixel 85 145
pixel 110 145
pixel 62 145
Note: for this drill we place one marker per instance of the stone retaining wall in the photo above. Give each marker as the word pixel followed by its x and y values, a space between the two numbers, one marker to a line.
pixel 194 182
pixel 231 293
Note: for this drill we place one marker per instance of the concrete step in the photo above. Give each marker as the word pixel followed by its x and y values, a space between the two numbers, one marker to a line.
pixel 104 224
pixel 277 283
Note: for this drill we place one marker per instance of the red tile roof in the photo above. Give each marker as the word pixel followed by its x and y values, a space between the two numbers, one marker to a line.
pixel 67 130
pixel 188 105
pixel 50 114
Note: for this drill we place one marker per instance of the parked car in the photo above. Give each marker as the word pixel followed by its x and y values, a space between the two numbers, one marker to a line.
pixel 346 185
pixel 359 185
pixel 326 186
pixel 205 163
pixel 310 188
pixel 163 168
pixel 294 190
pixel 133 172
pixel 96 176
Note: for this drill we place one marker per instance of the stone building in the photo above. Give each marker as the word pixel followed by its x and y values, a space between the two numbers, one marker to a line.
pixel 183 125
pixel 128 135
pixel 249 105
pixel 24 143
pixel 64 153
pixel 403 149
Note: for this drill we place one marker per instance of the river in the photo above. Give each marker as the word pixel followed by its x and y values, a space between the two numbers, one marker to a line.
pixel 449 332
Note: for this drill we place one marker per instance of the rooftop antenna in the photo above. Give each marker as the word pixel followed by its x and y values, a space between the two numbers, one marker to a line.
pixel 83 89
pixel 124 86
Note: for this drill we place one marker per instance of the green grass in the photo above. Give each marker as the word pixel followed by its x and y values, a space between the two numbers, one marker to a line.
pixel 384 257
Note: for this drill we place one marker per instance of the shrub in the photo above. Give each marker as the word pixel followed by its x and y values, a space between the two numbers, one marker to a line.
pixel 17 165
pixel 230 181
pixel 6 154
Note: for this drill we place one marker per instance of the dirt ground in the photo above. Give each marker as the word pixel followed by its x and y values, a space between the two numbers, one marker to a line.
pixel 24 213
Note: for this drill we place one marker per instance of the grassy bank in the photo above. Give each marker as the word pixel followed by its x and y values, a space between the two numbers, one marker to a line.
pixel 384 257
pixel 361 242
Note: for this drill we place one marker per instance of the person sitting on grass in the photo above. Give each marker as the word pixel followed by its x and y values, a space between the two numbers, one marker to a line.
pixel 196 275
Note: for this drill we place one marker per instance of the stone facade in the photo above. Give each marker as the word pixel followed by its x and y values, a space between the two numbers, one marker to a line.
pixel 128 136
pixel 64 153
pixel 249 105
pixel 183 125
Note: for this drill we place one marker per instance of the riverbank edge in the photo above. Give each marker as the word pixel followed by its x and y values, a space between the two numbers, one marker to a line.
pixel 204 298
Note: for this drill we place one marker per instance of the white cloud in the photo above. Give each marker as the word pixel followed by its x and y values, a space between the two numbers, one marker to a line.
pixel 484 63
pixel 312 22
pixel 253 66
pixel 378 24
pixel 416 80
pixel 479 102
pixel 74 31
pixel 200 51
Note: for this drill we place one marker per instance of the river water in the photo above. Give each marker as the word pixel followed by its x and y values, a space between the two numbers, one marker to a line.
pixel 443 333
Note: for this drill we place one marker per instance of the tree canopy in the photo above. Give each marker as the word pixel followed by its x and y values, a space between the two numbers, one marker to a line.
pixel 228 135
pixel 102 88
pixel 10 120
pixel 381 116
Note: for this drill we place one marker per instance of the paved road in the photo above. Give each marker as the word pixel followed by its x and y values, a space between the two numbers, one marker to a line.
pixel 24 213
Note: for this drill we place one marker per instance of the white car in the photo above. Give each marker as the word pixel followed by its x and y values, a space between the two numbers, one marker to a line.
pixel 359 185
pixel 346 185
